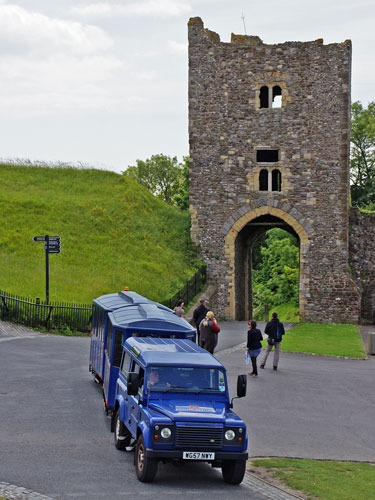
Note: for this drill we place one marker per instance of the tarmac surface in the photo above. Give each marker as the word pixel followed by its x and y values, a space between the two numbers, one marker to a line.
pixel 312 407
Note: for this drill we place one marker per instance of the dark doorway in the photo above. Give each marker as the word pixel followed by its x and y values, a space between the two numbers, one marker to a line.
pixel 251 298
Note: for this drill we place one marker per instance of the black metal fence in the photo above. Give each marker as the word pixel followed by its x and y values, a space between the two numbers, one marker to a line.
pixel 190 290
pixel 76 317
pixel 55 315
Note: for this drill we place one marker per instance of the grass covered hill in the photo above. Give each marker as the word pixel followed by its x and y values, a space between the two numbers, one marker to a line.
pixel 114 233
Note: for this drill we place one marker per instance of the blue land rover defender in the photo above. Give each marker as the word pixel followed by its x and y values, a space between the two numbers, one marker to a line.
pixel 172 399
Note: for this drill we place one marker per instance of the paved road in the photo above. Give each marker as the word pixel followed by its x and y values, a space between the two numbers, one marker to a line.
pixel 55 439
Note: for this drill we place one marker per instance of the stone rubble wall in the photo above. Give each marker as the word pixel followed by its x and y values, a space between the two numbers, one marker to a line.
pixel 362 259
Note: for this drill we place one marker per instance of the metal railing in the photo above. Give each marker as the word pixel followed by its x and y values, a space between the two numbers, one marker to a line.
pixel 54 315
pixel 77 317
pixel 190 290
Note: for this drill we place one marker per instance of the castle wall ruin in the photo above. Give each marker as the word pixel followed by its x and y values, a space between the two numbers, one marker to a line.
pixel 269 132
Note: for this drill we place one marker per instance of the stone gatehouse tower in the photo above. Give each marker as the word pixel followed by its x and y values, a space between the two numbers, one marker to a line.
pixel 269 147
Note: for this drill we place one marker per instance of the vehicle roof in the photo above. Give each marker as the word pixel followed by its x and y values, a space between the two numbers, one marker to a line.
pixel 149 316
pixel 113 301
pixel 158 351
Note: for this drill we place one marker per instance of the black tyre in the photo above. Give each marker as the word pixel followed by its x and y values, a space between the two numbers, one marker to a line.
pixel 122 435
pixel 233 471
pixel 145 468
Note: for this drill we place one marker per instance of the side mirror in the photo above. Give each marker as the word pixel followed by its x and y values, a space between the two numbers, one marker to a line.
pixel 241 386
pixel 133 383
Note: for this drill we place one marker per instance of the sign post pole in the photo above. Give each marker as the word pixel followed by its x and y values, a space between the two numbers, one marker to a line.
pixel 52 244
pixel 46 246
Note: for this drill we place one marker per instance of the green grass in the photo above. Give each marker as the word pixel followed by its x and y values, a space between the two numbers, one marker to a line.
pixel 322 338
pixel 324 480
pixel 286 312
pixel 114 233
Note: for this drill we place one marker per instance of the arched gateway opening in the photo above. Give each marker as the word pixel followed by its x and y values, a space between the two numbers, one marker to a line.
pixel 240 241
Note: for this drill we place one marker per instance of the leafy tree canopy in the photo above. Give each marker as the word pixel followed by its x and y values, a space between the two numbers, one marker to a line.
pixel 275 270
pixel 362 162
pixel 164 177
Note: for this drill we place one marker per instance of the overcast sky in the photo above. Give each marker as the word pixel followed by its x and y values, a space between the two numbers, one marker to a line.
pixel 104 83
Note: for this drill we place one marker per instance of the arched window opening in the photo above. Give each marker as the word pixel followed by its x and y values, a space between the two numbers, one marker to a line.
pixel 276 97
pixel 263 180
pixel 276 180
pixel 263 97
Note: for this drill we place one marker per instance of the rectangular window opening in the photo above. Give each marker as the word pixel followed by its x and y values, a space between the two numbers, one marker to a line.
pixel 267 155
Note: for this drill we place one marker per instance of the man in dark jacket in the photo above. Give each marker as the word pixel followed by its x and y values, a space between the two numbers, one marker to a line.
pixel 199 314
pixel 275 330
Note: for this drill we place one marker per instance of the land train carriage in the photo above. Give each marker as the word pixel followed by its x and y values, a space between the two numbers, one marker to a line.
pixel 141 320
pixel 102 306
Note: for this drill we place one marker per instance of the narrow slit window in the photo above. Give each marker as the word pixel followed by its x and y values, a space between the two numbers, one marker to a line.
pixel 276 97
pixel 264 97
pixel 263 180
pixel 268 155
pixel 276 180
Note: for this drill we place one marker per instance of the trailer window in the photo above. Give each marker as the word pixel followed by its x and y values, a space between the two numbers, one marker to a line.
pixel 117 352
pixel 109 340
pixel 98 322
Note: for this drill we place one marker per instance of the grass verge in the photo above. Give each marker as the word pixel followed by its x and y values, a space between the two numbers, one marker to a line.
pixel 323 338
pixel 286 312
pixel 324 480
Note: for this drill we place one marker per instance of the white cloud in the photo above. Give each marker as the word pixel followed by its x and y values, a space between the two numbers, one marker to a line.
pixel 159 8
pixel 147 75
pixel 64 84
pixel 22 30
pixel 48 65
pixel 177 47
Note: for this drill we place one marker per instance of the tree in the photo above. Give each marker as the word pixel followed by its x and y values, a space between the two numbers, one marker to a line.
pixel 181 200
pixel 275 271
pixel 160 174
pixel 362 161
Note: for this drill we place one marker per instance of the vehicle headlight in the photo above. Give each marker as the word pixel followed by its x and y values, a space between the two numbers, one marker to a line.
pixel 229 435
pixel 166 433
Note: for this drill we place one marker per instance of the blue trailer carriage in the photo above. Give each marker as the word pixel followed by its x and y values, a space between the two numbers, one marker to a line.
pixel 102 306
pixel 141 320
pixel 172 398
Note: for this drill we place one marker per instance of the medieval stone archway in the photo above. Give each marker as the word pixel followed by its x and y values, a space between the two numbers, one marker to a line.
pixel 238 245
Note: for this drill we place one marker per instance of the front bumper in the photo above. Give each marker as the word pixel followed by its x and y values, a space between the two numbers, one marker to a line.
pixel 177 454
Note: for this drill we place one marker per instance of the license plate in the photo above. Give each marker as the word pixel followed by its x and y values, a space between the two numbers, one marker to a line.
pixel 198 455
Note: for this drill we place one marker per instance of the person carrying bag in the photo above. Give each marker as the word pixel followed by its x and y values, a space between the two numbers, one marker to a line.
pixel 209 330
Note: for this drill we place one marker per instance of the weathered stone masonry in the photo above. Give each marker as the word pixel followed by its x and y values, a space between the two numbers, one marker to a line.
pixel 305 143
pixel 362 260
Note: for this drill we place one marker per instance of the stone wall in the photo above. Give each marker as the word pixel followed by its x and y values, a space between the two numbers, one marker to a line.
pixel 310 131
pixel 362 261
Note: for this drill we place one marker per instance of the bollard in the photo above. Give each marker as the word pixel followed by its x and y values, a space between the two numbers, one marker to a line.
pixel 371 343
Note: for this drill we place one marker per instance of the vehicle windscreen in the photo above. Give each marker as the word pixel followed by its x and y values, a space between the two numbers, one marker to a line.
pixel 180 378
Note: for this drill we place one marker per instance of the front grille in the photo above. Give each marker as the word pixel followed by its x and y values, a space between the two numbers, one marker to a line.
pixel 199 437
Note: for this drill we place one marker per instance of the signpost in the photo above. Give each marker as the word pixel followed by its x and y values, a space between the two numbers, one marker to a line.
pixel 52 244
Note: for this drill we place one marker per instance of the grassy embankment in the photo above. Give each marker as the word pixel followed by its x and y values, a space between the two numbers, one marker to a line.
pixel 323 480
pixel 114 233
